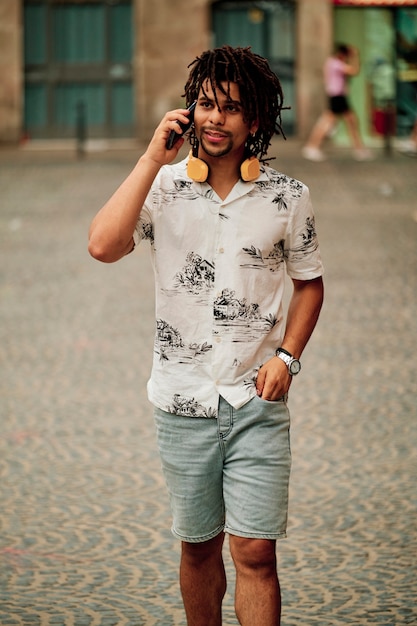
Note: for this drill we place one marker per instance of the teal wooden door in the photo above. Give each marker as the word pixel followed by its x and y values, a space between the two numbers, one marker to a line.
pixel 406 52
pixel 269 28
pixel 78 61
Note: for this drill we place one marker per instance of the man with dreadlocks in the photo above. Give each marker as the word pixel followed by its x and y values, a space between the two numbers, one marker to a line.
pixel 224 229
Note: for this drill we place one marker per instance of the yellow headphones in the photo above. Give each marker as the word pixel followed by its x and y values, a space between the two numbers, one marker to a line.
pixel 198 170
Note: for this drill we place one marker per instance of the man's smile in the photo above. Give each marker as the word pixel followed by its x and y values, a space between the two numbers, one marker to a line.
pixel 215 136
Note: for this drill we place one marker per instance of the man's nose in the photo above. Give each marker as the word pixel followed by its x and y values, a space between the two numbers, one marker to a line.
pixel 217 116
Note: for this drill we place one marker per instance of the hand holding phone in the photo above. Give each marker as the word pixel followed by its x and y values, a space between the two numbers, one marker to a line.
pixel 173 135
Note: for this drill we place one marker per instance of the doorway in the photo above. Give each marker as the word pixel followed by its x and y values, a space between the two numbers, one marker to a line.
pixel 269 28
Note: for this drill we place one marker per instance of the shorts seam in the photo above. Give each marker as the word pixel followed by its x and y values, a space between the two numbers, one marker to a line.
pixel 200 539
pixel 255 535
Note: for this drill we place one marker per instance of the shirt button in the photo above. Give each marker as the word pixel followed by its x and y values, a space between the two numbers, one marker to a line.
pixel 218 339
pixel 221 250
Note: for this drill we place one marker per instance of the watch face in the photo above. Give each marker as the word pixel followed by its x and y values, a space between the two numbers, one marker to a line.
pixel 295 367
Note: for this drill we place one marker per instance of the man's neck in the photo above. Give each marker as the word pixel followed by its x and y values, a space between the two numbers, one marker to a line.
pixel 224 172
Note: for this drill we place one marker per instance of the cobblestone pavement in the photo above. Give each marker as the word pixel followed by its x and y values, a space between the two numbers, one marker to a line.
pixel 84 521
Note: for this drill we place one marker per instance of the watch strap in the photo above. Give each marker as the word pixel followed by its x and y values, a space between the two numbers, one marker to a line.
pixel 293 364
pixel 284 351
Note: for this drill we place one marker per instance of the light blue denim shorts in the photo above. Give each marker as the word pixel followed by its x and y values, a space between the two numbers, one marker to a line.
pixel 227 473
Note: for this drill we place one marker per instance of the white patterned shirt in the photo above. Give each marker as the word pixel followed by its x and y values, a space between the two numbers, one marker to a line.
pixel 219 274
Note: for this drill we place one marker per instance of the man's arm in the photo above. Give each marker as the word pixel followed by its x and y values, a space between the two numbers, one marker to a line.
pixel 303 313
pixel 111 231
pixel 273 379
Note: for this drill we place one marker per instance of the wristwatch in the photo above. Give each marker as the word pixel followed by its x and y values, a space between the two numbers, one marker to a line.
pixel 294 365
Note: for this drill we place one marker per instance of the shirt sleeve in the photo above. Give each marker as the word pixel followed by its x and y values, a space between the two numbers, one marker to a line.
pixel 301 247
pixel 144 225
pixel 143 229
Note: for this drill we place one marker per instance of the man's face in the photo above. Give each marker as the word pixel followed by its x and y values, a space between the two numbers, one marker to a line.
pixel 221 128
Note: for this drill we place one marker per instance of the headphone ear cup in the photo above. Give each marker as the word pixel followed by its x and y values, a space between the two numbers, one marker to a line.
pixel 250 169
pixel 197 169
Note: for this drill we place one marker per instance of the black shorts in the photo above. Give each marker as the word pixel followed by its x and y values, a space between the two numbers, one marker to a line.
pixel 338 104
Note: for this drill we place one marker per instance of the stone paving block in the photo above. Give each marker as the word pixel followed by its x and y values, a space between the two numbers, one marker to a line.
pixel 84 519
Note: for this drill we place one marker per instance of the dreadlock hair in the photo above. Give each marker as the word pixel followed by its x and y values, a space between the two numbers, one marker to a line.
pixel 260 90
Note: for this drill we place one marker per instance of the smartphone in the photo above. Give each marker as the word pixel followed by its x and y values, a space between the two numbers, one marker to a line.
pixel 173 136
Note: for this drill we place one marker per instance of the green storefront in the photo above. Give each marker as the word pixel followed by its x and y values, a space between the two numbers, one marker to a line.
pixel 386 35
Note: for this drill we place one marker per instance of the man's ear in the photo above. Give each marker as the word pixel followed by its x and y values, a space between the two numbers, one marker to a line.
pixel 254 127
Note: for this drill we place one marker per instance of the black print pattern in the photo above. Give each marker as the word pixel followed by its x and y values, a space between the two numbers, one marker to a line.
pixel 283 186
pixel 189 407
pixel 249 383
pixel 182 189
pixel 309 241
pixel 147 231
pixel 197 275
pixel 272 261
pixel 242 320
pixel 169 343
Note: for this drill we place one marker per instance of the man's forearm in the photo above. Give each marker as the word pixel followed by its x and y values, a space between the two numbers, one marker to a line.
pixel 303 313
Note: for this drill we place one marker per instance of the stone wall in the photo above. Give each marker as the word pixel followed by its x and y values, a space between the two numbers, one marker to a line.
pixel 11 64
pixel 169 36
pixel 314 44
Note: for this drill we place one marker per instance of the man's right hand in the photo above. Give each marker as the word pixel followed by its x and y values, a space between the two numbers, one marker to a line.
pixel 157 150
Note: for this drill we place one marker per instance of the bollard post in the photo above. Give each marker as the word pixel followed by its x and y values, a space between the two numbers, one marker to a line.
pixel 389 127
pixel 81 128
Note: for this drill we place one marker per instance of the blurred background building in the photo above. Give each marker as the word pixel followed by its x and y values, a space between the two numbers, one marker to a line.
pixel 111 68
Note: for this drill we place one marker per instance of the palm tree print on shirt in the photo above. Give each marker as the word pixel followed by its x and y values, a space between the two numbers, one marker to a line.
pixel 274 259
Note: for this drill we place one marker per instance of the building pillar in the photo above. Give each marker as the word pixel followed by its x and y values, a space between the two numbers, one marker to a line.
pixel 314 45
pixel 169 35
pixel 11 64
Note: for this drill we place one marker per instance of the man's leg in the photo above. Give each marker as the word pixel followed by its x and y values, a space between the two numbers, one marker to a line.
pixel 258 596
pixel 203 581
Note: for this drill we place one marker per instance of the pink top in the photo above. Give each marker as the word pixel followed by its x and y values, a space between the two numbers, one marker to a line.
pixel 335 77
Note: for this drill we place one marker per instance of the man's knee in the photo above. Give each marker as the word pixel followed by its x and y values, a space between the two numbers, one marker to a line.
pixel 253 554
pixel 198 553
